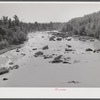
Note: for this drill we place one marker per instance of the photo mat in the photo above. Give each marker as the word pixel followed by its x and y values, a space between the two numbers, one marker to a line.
pixel 50 44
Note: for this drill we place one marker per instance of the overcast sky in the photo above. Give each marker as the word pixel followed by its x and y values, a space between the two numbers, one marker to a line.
pixel 46 12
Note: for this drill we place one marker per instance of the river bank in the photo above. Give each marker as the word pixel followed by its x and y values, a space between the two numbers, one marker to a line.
pixel 12 47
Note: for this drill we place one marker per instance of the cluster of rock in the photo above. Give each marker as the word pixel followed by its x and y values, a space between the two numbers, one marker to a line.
pixel 60 59
pixel 94 51
pixel 74 82
pixel 5 70
pixel 56 58
pixel 58 38
pixel 13 67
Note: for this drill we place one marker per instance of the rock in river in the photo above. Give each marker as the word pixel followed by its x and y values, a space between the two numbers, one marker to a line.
pixel 39 53
pixel 66 60
pixel 11 63
pixel 66 49
pixel 59 39
pixel 74 82
pixel 52 38
pixel 89 49
pixel 47 56
pixel 15 66
pixel 45 47
pixel 4 79
pixel 69 46
pixel 34 49
pixel 57 59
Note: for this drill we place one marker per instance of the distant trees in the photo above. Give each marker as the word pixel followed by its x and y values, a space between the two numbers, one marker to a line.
pixel 43 26
pixel 14 32
pixel 88 25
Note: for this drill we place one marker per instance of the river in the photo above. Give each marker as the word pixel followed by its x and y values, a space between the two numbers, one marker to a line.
pixel 84 70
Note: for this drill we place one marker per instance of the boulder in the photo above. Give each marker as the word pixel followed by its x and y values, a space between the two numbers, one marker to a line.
pixel 34 49
pixel 69 46
pixel 45 47
pixel 59 39
pixel 23 54
pixel 11 63
pixel 74 82
pixel 53 54
pixel 15 66
pixel 42 36
pixel 66 62
pixel 89 49
pixel 10 68
pixel 4 79
pixel 66 49
pixel 47 56
pixel 52 38
pixel 57 59
pixel 39 53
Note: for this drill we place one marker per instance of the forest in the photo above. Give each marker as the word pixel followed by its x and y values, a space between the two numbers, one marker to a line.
pixel 14 32
pixel 88 25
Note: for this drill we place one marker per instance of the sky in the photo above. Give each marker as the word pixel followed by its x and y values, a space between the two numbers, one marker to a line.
pixel 46 12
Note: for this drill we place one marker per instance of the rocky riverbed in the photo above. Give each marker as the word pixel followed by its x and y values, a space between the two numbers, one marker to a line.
pixel 49 60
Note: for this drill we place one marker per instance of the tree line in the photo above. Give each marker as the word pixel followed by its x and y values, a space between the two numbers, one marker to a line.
pixel 88 25
pixel 14 32
pixel 44 26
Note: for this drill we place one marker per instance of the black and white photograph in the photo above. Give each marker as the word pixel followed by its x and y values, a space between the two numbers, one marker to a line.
pixel 50 44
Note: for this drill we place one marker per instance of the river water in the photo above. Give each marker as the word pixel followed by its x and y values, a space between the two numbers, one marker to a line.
pixel 83 70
